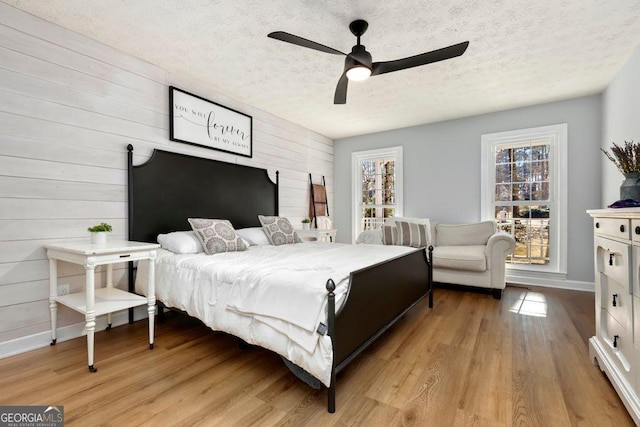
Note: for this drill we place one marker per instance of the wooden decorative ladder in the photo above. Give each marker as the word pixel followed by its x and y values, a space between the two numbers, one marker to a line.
pixel 319 205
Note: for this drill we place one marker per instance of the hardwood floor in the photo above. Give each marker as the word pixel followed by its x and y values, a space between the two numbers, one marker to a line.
pixel 469 360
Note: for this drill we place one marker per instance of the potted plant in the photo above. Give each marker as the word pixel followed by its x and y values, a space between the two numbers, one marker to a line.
pixel 99 233
pixel 627 160
pixel 305 223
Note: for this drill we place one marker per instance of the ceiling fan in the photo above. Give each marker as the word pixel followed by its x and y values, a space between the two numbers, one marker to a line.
pixel 358 64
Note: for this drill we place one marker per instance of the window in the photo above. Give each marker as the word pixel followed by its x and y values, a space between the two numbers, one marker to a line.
pixel 524 187
pixel 377 187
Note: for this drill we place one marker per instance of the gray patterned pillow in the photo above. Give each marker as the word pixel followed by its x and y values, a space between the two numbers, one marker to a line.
pixel 216 235
pixel 278 230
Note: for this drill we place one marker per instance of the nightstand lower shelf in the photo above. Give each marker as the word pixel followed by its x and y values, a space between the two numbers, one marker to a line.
pixel 107 300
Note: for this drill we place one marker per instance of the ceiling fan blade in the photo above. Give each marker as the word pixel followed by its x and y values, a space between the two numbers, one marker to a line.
pixel 341 90
pixel 290 38
pixel 422 59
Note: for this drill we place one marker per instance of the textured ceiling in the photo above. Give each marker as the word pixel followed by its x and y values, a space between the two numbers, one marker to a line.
pixel 521 52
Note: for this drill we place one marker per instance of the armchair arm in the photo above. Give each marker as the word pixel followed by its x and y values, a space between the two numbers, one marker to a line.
pixel 498 247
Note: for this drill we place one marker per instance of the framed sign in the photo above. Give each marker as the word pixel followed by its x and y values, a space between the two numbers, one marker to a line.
pixel 198 121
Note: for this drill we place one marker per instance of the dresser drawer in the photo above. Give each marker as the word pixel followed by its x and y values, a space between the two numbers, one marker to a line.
pixel 613 260
pixel 635 271
pixel 619 228
pixel 616 300
pixel 635 230
pixel 618 345
pixel 636 323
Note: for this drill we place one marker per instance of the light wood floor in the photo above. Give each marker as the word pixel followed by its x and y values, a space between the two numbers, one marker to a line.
pixel 469 360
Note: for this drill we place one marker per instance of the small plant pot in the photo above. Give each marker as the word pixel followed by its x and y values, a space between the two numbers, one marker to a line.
pixel 99 238
pixel 305 225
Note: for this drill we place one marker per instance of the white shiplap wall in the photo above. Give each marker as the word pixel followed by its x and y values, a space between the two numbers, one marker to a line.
pixel 69 106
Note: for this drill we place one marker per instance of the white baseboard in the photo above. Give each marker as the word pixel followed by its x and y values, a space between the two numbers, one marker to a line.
pixel 550 282
pixel 65 333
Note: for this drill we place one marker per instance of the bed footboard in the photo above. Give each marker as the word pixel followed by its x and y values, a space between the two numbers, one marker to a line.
pixel 377 297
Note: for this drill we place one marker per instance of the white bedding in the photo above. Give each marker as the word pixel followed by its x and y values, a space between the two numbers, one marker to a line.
pixel 271 296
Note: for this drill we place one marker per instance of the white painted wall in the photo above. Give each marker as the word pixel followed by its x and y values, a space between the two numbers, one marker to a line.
pixel 442 170
pixel 68 108
pixel 620 122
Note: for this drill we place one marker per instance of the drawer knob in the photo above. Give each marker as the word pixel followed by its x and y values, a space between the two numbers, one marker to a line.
pixel 637 229
pixel 597 225
pixel 611 258
pixel 615 341
pixel 622 228
pixel 614 299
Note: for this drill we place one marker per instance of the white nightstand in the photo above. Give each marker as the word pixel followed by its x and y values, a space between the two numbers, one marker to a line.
pixel 95 302
pixel 314 233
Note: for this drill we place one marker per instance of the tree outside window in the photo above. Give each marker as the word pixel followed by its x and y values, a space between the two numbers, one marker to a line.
pixel 378 191
pixel 522 199
pixel 377 187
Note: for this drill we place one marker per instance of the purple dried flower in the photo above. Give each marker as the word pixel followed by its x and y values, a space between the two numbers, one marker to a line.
pixel 627 158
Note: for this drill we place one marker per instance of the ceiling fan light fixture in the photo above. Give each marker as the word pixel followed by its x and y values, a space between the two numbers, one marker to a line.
pixel 358 64
pixel 358 73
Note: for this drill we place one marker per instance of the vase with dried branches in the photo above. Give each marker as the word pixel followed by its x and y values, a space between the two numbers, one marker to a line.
pixel 627 160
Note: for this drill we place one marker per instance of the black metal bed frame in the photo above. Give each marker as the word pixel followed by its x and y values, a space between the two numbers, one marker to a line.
pixel 163 192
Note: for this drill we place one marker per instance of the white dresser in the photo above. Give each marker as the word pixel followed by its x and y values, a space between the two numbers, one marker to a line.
pixel 616 346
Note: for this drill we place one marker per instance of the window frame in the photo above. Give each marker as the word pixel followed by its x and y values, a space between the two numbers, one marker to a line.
pixel 356 183
pixel 558 190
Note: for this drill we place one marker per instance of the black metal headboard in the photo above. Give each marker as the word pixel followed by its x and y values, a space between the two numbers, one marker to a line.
pixel 170 187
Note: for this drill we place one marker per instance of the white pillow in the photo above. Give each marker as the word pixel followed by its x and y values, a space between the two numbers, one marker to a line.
pixel 254 236
pixel 370 237
pixel 180 242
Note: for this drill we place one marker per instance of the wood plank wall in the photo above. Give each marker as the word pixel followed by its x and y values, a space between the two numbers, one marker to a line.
pixel 69 106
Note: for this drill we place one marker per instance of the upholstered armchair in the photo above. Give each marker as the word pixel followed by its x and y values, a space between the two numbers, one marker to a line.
pixel 472 255
pixel 463 254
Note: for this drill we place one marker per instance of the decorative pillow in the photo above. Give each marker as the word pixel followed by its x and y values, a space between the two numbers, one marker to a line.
pixel 278 230
pixel 431 225
pixel 181 242
pixel 254 235
pixel 389 235
pixel 370 237
pixel 412 234
pixel 217 235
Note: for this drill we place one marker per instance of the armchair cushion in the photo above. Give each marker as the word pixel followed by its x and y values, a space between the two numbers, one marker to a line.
pixel 464 234
pixel 467 257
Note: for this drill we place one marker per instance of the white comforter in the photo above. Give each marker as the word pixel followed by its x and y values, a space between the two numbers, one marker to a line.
pixel 271 296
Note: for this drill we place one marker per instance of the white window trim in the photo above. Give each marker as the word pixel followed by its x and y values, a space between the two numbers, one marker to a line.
pixel 356 200
pixel 559 190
